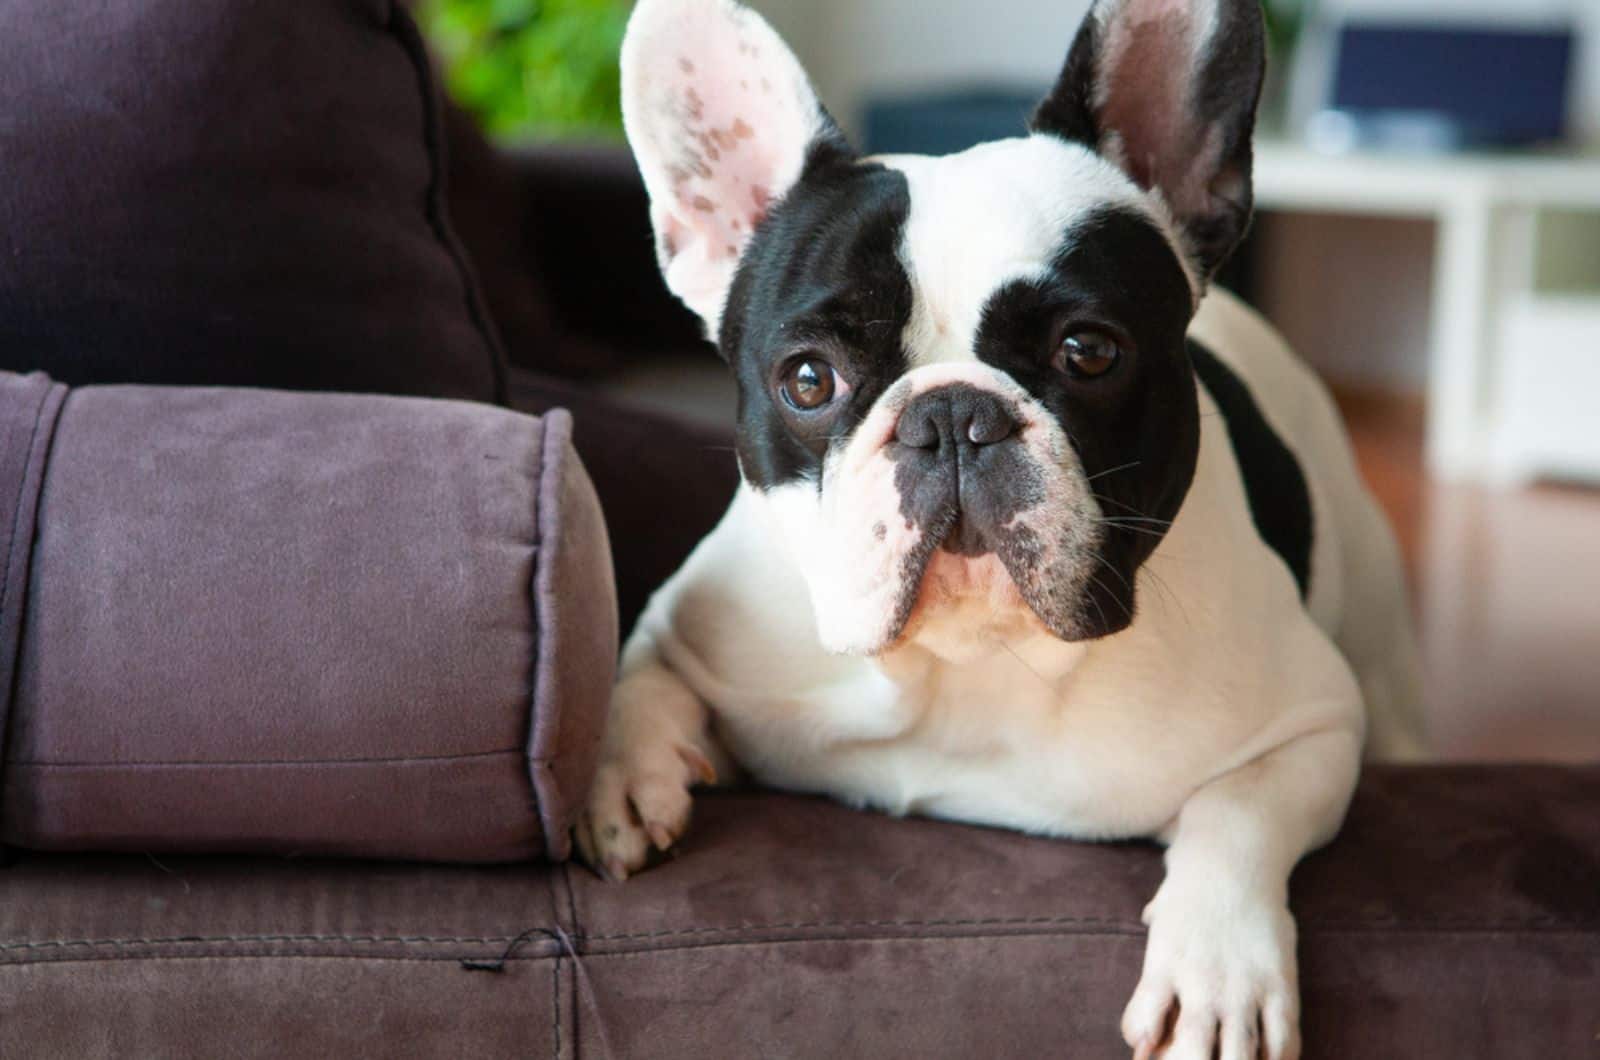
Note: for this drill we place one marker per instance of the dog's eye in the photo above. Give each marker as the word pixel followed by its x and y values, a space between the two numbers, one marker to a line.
pixel 809 383
pixel 1087 354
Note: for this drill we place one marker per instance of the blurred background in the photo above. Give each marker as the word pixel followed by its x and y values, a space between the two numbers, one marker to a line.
pixel 1428 237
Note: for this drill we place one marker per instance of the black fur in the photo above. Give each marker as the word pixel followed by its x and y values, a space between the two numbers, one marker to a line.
pixel 822 274
pixel 1280 502
pixel 1136 429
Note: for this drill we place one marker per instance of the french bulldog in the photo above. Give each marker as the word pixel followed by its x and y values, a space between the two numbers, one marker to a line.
pixel 1038 528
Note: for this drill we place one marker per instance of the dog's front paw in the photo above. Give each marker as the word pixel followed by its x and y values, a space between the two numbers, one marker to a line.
pixel 640 801
pixel 1219 979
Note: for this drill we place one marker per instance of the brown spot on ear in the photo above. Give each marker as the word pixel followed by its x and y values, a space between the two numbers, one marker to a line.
pixel 880 531
pixel 669 246
pixel 721 138
pixel 703 204
pixel 761 197
pixel 733 251
pixel 686 66
pixel 695 105
pixel 699 167
pixel 737 225
pixel 742 130
pixel 744 84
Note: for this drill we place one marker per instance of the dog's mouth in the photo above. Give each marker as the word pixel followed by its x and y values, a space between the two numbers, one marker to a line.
pixel 982 575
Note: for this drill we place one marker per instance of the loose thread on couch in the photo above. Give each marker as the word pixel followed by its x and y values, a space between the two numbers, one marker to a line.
pixel 498 964
pixel 569 948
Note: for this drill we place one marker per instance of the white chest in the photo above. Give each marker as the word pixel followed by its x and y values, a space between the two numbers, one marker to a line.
pixel 1017 739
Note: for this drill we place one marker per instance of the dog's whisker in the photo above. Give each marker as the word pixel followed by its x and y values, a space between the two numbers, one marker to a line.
pixel 1107 564
pixel 1113 470
pixel 1109 593
pixel 1103 499
pixel 1022 662
pixel 1166 590
pixel 1134 520
pixel 1145 530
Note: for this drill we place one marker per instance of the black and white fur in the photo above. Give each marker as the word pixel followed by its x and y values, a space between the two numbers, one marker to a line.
pixel 979 585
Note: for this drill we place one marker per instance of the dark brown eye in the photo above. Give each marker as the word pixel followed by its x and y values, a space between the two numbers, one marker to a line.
pixel 1087 354
pixel 808 383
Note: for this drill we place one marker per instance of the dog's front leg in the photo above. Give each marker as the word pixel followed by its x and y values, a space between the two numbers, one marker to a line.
pixel 656 748
pixel 1219 970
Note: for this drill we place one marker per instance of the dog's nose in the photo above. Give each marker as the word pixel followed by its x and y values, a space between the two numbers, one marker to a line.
pixel 954 415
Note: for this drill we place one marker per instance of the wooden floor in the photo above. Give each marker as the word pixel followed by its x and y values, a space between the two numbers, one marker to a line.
pixel 1508 595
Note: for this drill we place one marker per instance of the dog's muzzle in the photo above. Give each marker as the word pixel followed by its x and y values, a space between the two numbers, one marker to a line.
pixel 961 471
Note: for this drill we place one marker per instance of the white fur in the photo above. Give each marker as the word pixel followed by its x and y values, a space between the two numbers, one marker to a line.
pixel 1227 721
pixel 995 214
pixel 719 114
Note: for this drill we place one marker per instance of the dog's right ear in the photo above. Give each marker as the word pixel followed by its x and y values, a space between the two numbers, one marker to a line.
pixel 1166 90
pixel 722 120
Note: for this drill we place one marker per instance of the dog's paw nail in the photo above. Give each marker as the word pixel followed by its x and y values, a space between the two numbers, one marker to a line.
pixel 660 835
pixel 698 765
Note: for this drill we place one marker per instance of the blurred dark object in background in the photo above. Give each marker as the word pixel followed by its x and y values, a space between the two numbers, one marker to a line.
pixel 1441 87
pixel 946 122
pixel 560 235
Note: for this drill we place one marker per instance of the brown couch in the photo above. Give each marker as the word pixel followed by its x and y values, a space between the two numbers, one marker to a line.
pixel 1458 914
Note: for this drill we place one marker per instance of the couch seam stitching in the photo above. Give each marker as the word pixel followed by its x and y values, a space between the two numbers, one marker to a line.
pixel 1331 925
pixel 543 561
pixel 538 957
pixel 22 485
pixel 520 752
pixel 436 207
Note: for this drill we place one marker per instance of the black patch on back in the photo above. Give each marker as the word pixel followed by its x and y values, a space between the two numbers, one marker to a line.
pixel 1136 430
pixel 1280 502
pixel 822 273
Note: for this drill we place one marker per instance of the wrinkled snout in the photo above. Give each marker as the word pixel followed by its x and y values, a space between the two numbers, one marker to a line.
pixel 961 472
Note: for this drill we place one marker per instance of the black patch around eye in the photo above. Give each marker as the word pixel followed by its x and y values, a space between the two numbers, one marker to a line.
pixel 1275 484
pixel 823 269
pixel 1137 430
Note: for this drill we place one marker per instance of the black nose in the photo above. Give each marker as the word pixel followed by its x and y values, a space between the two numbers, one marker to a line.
pixel 958 414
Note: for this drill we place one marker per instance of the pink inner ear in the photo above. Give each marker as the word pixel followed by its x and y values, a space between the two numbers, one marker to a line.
pixel 1146 68
pixel 740 120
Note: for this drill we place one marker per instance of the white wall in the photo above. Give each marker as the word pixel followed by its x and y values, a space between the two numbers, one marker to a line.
pixel 857 48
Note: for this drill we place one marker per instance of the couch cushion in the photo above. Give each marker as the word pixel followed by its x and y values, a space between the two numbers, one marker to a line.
pixel 1455 916
pixel 298 623
pixel 228 192
pixel 663 482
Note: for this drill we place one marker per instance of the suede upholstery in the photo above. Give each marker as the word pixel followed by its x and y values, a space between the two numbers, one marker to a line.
pixel 1455 917
pixel 228 193
pixel 309 624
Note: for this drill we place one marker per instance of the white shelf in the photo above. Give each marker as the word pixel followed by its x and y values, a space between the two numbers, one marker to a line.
pixel 1487 329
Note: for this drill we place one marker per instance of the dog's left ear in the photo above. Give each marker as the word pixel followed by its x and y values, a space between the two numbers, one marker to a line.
pixel 1166 90
pixel 722 121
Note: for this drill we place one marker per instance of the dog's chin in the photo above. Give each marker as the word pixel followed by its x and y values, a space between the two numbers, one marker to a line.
pixel 965 607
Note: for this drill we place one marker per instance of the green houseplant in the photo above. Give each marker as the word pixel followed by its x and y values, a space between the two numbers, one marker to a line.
pixel 532 68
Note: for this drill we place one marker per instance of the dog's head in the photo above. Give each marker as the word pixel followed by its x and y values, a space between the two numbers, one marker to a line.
pixel 964 391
